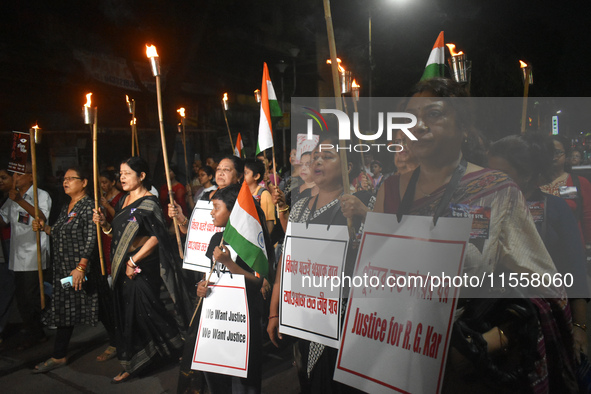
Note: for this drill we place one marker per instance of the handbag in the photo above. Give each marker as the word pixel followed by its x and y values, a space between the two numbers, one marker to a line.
pixel 481 315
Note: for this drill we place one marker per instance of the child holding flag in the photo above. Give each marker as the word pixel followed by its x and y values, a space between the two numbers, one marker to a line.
pixel 254 171
pixel 234 208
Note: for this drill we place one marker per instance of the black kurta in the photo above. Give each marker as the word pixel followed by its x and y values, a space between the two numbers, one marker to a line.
pixel 73 237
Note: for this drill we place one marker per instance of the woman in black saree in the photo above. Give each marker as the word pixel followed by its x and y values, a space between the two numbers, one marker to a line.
pixel 141 258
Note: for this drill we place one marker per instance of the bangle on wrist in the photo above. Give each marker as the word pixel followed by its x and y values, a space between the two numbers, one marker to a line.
pixel 79 268
pixel 284 209
pixel 107 232
pixel 581 326
pixel 273 317
pixel 503 344
pixel 184 224
pixel 132 262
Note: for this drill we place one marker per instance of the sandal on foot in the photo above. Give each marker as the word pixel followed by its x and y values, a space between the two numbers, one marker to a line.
pixel 48 365
pixel 122 380
pixel 108 354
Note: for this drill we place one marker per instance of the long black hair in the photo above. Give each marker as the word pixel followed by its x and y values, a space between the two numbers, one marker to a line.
pixel 209 172
pixel 530 154
pixel 238 165
pixel 566 145
pixel 109 174
pixel 139 165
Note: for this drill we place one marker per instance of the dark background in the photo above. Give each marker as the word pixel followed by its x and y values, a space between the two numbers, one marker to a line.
pixel 210 47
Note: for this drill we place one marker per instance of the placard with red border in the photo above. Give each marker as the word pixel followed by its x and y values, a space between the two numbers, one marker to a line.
pixel 404 329
pixel 223 337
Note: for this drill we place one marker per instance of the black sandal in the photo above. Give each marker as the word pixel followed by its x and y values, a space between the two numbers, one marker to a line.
pixel 122 380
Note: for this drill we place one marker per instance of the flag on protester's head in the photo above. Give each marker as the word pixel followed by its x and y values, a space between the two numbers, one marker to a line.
pixel 269 108
pixel 436 64
pixel 244 232
pixel 239 146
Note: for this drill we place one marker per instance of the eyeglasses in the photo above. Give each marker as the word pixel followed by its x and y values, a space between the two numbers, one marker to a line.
pixel 70 178
pixel 558 153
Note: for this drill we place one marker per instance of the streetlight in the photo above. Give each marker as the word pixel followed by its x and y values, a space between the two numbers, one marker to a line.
pixel 294 52
pixel 370 55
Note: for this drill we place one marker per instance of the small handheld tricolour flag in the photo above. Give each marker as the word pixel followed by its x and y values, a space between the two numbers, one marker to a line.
pixel 436 64
pixel 269 108
pixel 239 146
pixel 244 232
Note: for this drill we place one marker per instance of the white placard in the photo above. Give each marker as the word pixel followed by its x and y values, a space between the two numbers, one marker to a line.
pixel 223 339
pixel 403 330
pixel 305 145
pixel 309 308
pixel 200 231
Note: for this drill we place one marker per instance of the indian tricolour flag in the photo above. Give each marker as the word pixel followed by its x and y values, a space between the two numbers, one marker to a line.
pixel 244 232
pixel 436 64
pixel 269 108
pixel 239 146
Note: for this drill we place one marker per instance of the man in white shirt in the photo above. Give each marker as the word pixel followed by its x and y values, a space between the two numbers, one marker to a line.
pixel 18 212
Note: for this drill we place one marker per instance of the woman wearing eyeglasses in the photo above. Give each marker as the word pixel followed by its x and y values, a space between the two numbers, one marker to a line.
pixel 576 190
pixel 230 170
pixel 510 350
pixel 73 242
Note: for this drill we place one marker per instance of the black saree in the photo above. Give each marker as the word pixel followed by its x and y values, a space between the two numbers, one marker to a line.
pixel 145 329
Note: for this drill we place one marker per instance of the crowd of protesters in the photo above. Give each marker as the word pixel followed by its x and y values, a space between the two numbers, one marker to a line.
pixel 540 222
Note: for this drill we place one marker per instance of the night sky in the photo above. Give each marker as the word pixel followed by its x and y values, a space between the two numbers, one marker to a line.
pixel 220 46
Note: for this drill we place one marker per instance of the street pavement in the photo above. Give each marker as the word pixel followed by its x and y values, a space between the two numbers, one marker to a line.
pixel 83 374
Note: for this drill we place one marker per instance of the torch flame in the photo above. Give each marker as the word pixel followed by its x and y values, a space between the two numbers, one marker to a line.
pixel 127 98
pixel 35 127
pixel 354 85
pixel 522 64
pixel 132 122
pixel 181 111
pixel 151 51
pixel 88 100
pixel 452 48
pixel 225 97
pixel 341 68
